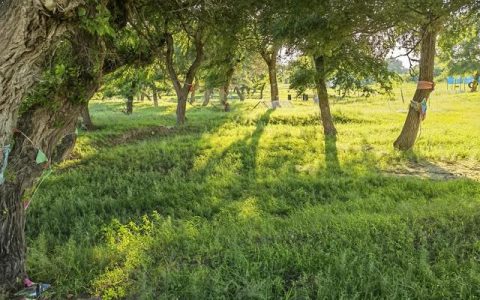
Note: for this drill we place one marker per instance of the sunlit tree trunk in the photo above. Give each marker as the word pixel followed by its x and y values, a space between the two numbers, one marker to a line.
pixel 323 101
pixel 225 90
pixel 409 133
pixel 270 58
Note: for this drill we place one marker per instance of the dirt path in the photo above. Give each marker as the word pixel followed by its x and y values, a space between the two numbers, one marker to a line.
pixel 438 170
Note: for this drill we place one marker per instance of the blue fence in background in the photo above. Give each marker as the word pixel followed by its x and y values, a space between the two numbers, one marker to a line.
pixel 458 82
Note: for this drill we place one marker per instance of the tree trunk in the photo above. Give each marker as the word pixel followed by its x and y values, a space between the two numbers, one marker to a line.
pixel 182 108
pixel 12 238
pixel 409 133
pixel 262 88
pixel 225 90
pixel 476 79
pixel 270 57
pixel 87 119
pixel 194 92
pixel 182 91
pixel 145 95
pixel 27 31
pixel 206 96
pixel 155 96
pixel 327 120
pixel 272 75
pixel 241 95
pixel 129 104
pixel 41 126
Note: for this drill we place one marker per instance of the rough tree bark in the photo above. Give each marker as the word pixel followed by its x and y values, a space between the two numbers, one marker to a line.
pixel 27 30
pixel 321 84
pixel 409 133
pixel 270 57
pixel 86 117
pixel 183 90
pixel 41 126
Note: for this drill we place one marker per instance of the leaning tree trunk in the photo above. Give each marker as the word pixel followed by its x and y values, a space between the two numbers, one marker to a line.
pixel 206 96
pixel 409 133
pixel 241 95
pixel 26 32
pixel 41 126
pixel 321 83
pixel 87 119
pixel 262 88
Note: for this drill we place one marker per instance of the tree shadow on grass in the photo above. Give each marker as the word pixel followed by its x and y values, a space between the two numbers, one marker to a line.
pixel 331 154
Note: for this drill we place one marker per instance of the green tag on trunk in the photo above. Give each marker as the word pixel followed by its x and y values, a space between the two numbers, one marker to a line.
pixel 41 157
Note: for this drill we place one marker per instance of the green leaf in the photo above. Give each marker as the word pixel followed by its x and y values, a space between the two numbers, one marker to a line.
pixel 41 157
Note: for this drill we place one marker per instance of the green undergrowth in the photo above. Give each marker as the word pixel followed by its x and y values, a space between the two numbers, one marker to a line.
pixel 257 204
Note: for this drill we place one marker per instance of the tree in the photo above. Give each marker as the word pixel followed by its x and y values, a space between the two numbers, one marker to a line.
pixel 430 18
pixel 47 113
pixel 350 47
pixel 395 65
pixel 268 45
pixel 460 46
pixel 25 50
pixel 177 36
pixel 302 75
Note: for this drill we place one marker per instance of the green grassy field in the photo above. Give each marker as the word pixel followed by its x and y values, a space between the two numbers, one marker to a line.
pixel 257 204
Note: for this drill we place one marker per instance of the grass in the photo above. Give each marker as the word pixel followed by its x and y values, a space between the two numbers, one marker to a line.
pixel 257 204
